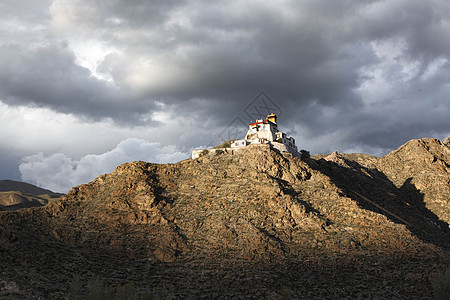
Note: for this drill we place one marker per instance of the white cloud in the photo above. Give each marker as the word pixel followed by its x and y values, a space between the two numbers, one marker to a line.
pixel 29 129
pixel 59 172
pixel 433 68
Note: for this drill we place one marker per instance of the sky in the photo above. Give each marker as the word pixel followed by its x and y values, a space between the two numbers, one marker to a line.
pixel 87 85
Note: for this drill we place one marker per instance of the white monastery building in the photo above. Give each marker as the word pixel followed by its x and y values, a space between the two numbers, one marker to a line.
pixel 263 131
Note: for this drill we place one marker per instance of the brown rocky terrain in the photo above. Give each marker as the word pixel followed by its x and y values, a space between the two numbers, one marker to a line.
pixel 16 195
pixel 425 166
pixel 254 224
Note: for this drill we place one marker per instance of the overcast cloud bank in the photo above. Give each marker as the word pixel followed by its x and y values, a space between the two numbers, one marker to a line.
pixel 348 75
pixel 60 173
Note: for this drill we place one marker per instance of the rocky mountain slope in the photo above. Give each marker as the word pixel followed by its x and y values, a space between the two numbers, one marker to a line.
pixel 424 165
pixel 255 224
pixel 16 195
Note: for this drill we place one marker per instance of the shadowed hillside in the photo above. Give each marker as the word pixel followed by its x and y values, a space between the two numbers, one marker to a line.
pixel 254 224
pixel 11 185
pixel 16 195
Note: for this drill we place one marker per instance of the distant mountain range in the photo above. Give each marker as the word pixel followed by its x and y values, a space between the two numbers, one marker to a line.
pixel 257 224
pixel 15 195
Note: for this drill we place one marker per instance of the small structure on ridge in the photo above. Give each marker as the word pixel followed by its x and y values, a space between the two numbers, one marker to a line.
pixel 262 131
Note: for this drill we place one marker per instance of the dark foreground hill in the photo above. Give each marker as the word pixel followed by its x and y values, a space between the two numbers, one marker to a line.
pixel 253 224
pixel 16 195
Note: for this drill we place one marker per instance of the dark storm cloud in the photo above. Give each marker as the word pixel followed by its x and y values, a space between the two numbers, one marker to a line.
pixel 47 76
pixel 9 163
pixel 228 54
pixel 318 59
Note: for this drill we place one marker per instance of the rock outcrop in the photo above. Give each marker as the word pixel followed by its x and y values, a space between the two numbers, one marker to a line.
pixel 447 141
pixel 421 167
pixel 257 223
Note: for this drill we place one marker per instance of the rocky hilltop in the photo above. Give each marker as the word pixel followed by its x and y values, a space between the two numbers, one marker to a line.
pixel 425 166
pixel 255 224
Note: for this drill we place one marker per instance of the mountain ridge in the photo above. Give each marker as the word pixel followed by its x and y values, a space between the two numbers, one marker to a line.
pixel 7 185
pixel 17 195
pixel 211 221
